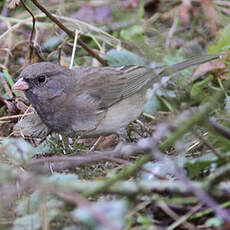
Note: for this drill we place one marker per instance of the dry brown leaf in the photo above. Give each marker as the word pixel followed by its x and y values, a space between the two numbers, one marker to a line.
pixel 202 69
pixel 169 15
pixel 185 12
pixel 131 4
pixel 31 126
pixel 108 142
pixel 22 107
pixel 105 142
pixel 12 3
pixel 211 14
pixel 11 107
pixel 91 14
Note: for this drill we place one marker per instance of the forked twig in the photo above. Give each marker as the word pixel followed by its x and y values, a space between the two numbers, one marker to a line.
pixel 69 32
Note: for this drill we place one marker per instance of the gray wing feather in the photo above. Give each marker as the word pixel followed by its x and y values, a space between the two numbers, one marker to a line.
pixel 103 87
pixel 138 78
pixel 111 84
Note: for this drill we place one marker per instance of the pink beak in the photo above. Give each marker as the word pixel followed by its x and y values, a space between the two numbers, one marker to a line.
pixel 21 85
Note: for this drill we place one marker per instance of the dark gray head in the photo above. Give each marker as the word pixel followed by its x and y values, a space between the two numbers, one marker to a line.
pixel 41 76
pixel 45 85
pixel 41 69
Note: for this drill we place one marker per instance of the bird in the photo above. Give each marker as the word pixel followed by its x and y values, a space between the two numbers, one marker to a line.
pixel 92 101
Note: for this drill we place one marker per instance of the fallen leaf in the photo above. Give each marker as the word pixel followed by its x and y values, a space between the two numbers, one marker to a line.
pixel 12 3
pixel 31 126
pixel 211 14
pixel 22 107
pixel 131 4
pixel 108 142
pixel 202 69
pixel 92 14
pixel 2 101
pixel 11 107
pixel 185 12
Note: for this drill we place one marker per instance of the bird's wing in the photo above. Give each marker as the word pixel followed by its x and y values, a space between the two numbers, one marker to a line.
pixel 109 85
pixel 100 88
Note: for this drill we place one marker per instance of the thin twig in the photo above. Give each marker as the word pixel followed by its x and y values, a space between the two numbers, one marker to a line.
pixel 32 31
pixel 15 116
pixel 69 32
pixel 203 196
pixel 97 142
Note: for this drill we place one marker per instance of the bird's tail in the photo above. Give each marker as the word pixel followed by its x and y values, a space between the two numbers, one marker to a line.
pixel 169 70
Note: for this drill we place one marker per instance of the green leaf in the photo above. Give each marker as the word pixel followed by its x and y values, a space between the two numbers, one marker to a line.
pixel 52 42
pixel 152 105
pixel 10 80
pixel 114 210
pixel 72 227
pixel 132 32
pixel 162 168
pixel 222 42
pixel 195 166
pixel 31 204
pixel 227 104
pixel 144 220
pixel 197 91
pixel 123 57
pixel 141 10
pixel 7 173
pixel 8 77
pixel 18 150
pixel 29 211
pixel 44 147
pixel 62 178
pixel 214 222
pixel 28 222
pixel 34 221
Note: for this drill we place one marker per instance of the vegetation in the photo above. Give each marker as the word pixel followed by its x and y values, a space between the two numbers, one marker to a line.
pixel 172 173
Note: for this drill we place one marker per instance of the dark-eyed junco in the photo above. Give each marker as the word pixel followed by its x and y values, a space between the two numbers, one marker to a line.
pixel 91 101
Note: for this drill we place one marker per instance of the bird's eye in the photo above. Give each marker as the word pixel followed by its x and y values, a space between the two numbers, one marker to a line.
pixel 41 78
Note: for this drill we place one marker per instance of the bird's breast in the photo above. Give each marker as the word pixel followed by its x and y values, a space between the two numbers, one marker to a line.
pixel 119 115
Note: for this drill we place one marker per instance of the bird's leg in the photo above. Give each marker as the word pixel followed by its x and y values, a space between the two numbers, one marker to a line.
pixel 63 143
